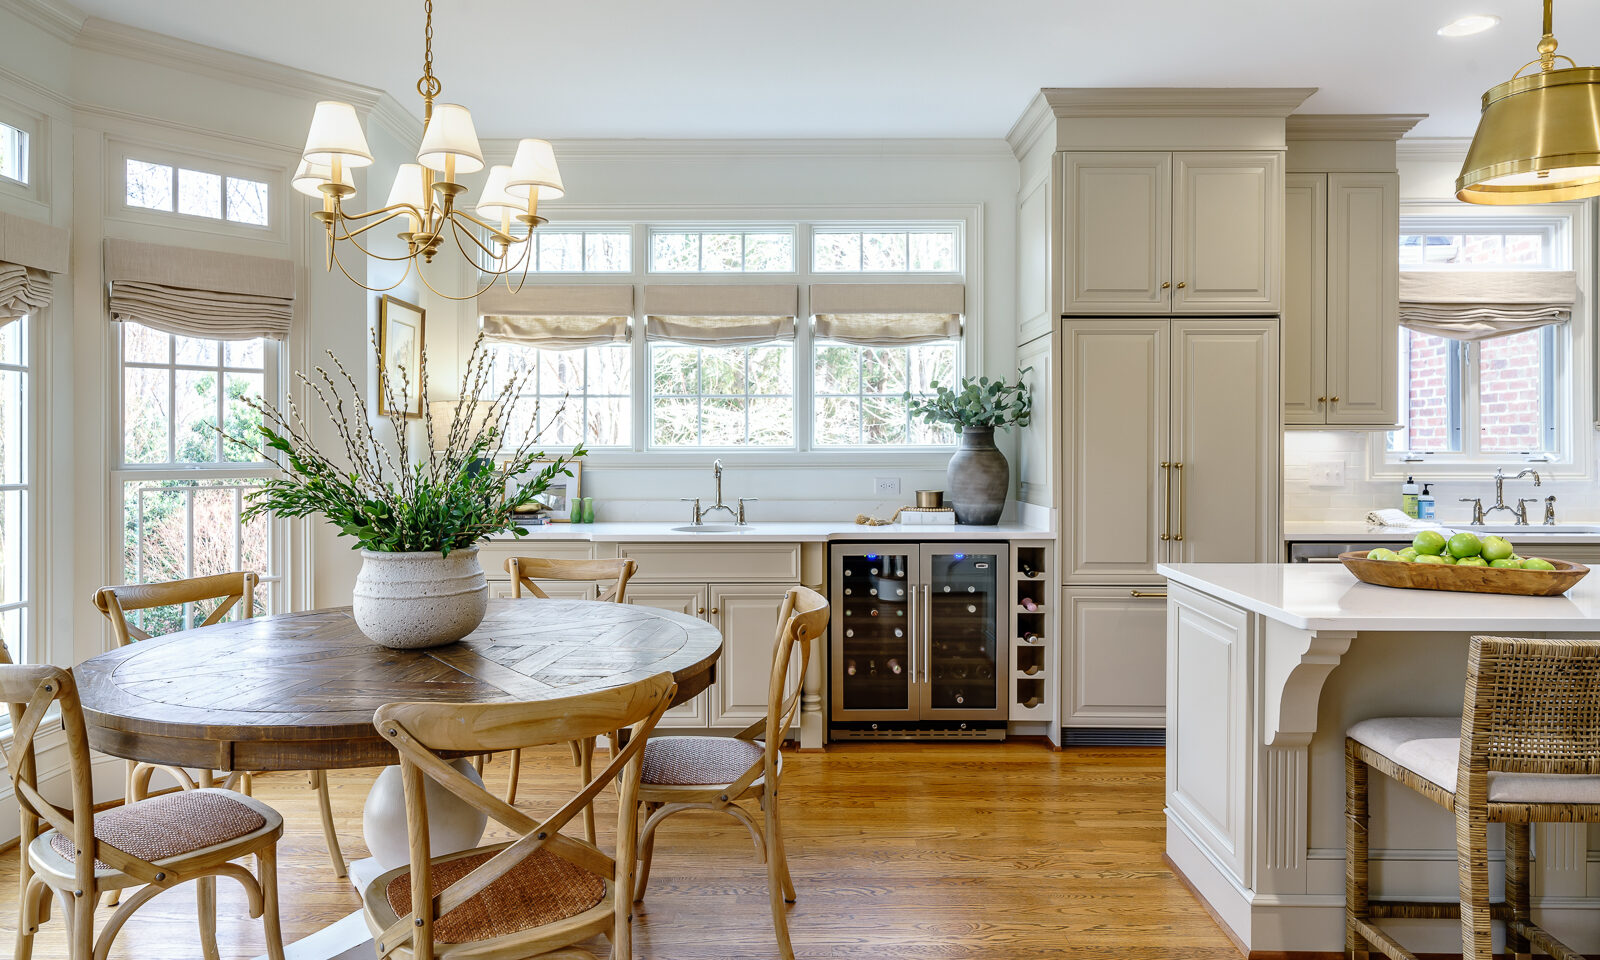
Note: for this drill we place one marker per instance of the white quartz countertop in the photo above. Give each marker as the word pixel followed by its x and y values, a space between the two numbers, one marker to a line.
pixel 1324 596
pixel 773 532
pixel 1360 530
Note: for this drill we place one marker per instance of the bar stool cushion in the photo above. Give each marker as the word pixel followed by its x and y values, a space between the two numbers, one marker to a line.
pixel 1430 747
pixel 698 761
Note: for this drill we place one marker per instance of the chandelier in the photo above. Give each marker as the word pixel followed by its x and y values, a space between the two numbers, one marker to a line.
pixel 427 200
pixel 1538 140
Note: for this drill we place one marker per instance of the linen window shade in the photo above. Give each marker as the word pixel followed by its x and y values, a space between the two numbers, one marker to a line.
pixel 720 315
pixel 888 314
pixel 200 293
pixel 1481 305
pixel 29 253
pixel 558 317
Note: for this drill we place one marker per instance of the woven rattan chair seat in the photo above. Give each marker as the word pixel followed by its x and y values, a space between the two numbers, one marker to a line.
pixel 698 761
pixel 168 826
pixel 1430 747
pixel 542 889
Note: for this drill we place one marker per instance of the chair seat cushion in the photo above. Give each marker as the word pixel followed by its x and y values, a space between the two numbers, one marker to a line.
pixel 543 888
pixel 1430 747
pixel 698 761
pixel 170 825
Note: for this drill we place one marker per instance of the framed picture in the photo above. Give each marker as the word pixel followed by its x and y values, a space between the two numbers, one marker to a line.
pixel 400 330
pixel 557 498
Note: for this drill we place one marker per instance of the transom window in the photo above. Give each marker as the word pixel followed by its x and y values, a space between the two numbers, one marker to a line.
pixel 860 393
pixel 722 251
pixel 886 250
pixel 196 193
pixel 739 396
pixel 13 153
pixel 572 396
pixel 558 250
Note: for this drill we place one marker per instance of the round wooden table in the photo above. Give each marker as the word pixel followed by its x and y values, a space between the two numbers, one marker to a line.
pixel 297 691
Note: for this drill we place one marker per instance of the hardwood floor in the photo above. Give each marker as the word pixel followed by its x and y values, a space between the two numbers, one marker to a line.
pixel 904 851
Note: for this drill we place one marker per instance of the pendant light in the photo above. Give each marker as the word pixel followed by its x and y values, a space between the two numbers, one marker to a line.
pixel 1538 140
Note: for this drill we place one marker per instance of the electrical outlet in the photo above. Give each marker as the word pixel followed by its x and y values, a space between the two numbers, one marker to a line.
pixel 1327 473
pixel 886 486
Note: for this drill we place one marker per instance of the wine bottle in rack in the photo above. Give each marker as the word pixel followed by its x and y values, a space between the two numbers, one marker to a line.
pixel 894 666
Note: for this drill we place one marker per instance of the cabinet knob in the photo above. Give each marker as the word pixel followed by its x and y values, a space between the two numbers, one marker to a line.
pixel 1333 399
pixel 1165 284
pixel 1322 399
pixel 1182 284
pixel 715 611
pixel 701 610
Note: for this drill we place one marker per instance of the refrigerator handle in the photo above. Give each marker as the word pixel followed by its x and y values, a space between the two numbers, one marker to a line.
pixel 927 638
pixel 911 631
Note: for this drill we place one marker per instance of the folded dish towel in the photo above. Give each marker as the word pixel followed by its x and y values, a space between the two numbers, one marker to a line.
pixel 1395 518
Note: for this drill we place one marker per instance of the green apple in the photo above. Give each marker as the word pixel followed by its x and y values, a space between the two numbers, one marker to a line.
pixel 1408 554
pixel 1507 564
pixel 1537 563
pixel 1472 562
pixel 1428 542
pixel 1430 558
pixel 1382 553
pixel 1452 561
pixel 1464 545
pixel 1496 548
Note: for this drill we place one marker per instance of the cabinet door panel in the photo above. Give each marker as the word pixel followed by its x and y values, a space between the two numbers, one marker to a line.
pixel 1305 298
pixel 1116 666
pixel 1363 299
pixel 1225 433
pixel 557 589
pixel 1117 375
pixel 1118 233
pixel 747 615
pixel 689 598
pixel 1227 230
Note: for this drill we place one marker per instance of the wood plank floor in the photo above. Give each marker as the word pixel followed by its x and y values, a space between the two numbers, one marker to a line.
pixel 905 851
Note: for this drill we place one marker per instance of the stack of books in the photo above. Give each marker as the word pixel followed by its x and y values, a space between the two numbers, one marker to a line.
pixel 928 516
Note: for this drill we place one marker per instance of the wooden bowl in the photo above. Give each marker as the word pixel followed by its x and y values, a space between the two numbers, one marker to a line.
pixel 1442 576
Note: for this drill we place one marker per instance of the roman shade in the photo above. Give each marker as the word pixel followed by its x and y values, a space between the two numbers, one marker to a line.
pixel 1480 305
pixel 29 252
pixel 200 293
pixel 720 315
pixel 558 317
pixel 888 314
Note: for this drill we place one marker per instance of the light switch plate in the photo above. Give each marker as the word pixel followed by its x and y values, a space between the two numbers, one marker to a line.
pixel 1327 473
pixel 886 486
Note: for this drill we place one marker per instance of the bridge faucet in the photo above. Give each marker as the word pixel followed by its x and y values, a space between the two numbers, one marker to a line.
pixel 1519 516
pixel 701 514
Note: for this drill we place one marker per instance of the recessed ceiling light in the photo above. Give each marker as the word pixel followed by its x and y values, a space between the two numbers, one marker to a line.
pixel 1469 25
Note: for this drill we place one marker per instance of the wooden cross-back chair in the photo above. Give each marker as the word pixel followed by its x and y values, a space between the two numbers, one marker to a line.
pixel 542 892
pixel 715 773
pixel 229 590
pixel 159 843
pixel 1531 709
pixel 524 572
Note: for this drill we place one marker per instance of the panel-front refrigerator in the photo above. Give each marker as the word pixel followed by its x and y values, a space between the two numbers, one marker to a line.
pixel 918 644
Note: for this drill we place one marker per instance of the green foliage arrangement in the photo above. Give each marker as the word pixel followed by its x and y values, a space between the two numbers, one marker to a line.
pixel 980 402
pixel 448 499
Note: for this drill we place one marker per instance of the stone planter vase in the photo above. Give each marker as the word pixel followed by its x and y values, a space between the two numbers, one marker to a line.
pixel 978 478
pixel 411 601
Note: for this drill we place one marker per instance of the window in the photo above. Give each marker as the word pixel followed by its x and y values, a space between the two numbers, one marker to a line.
pixel 196 193
pixel 860 393
pixel 182 483
pixel 572 251
pixel 722 396
pixel 886 250
pixel 1485 401
pixel 13 153
pixel 722 251
pixel 16 493
pixel 577 396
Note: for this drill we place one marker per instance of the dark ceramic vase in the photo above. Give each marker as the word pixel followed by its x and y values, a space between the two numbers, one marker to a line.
pixel 978 478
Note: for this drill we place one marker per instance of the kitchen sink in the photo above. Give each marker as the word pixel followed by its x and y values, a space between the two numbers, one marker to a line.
pixel 710 528
pixel 1531 530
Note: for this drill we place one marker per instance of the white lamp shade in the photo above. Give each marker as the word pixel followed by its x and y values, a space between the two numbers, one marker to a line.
pixel 496 200
pixel 407 187
pixel 535 167
pixel 450 134
pixel 309 178
pixel 336 132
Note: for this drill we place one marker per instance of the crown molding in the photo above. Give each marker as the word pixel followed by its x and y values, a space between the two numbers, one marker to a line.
pixel 1350 126
pixel 56 17
pixel 1453 149
pixel 1037 119
pixel 1087 102
pixel 502 149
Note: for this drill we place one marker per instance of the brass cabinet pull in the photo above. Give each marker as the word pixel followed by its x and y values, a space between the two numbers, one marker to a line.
pixel 701 611
pixel 1165 284
pixel 1182 284
pixel 715 611
pixel 1322 399
pixel 1166 500
pixel 1148 594
pixel 1333 399
pixel 1182 485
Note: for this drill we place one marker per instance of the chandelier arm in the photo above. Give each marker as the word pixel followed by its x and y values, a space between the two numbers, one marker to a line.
pixel 523 261
pixel 337 262
pixel 445 296
pixel 499 234
pixel 385 214
pixel 376 256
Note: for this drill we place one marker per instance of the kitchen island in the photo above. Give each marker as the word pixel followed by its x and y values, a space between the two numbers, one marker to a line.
pixel 1267 666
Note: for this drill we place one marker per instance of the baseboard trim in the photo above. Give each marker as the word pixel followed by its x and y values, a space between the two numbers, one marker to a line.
pixel 1216 918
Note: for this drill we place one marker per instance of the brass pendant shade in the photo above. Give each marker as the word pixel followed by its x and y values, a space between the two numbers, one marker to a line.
pixel 1538 140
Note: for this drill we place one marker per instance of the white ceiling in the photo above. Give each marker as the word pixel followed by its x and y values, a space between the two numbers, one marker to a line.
pixel 871 68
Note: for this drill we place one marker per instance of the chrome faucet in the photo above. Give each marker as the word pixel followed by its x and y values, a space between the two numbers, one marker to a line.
pixel 699 516
pixel 1519 513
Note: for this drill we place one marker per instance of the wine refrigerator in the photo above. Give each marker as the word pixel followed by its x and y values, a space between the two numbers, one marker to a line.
pixel 917 647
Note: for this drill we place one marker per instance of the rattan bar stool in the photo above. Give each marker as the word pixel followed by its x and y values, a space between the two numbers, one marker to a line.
pixel 1525 750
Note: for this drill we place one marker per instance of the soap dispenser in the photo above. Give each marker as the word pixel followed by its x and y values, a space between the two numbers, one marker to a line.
pixel 1408 497
pixel 1425 503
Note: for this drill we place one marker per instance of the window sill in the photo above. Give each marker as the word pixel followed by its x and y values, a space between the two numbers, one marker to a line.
pixel 915 458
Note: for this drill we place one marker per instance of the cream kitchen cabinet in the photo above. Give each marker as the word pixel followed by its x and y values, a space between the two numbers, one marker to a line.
pixel 1341 316
pixel 1116 643
pixel 1171 444
pixel 688 598
pixel 1172 233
